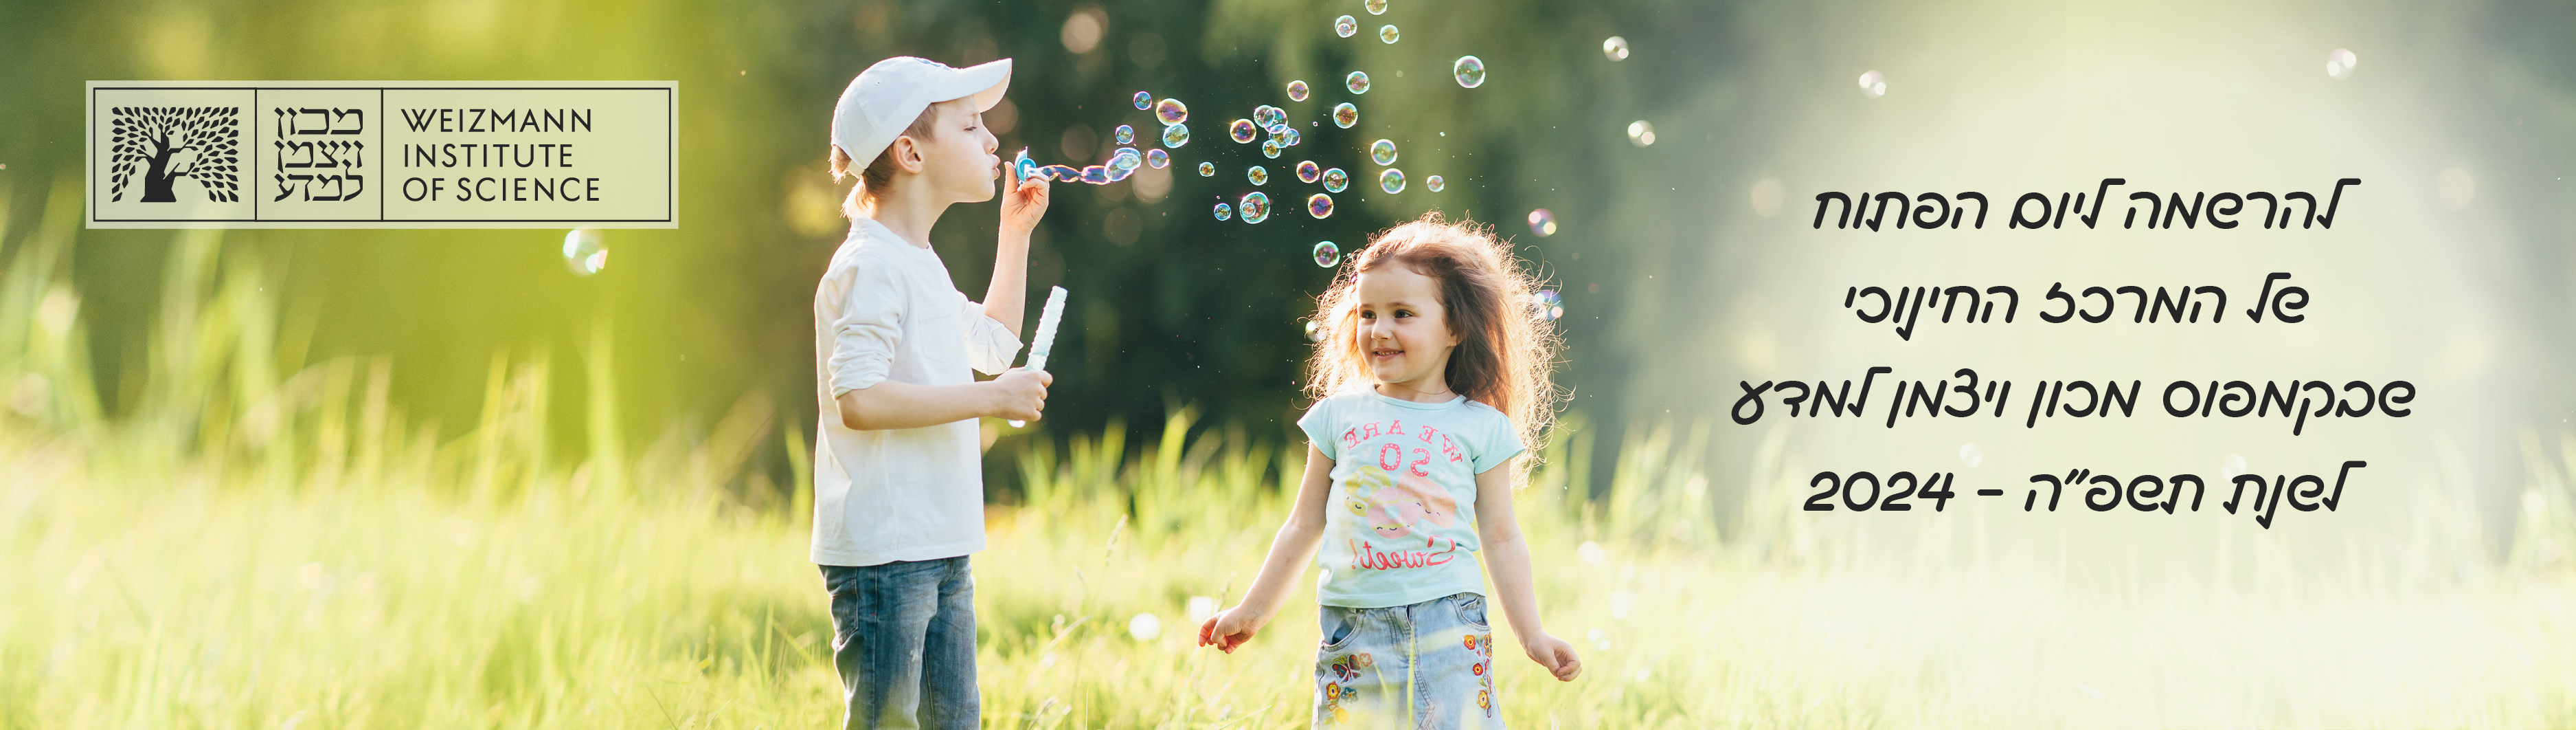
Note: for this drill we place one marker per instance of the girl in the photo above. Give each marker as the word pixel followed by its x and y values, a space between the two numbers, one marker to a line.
pixel 1430 383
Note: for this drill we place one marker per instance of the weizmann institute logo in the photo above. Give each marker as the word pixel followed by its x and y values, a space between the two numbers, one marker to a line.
pixel 156 147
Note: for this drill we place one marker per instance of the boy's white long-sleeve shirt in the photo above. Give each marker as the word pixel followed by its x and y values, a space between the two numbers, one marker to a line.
pixel 886 310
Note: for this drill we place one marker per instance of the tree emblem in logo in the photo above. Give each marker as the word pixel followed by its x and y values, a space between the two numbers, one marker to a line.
pixel 199 143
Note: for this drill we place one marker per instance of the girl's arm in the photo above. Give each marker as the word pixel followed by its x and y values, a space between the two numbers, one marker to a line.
pixel 1288 555
pixel 1507 561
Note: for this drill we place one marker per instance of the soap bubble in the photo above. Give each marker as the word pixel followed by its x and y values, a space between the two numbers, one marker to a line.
pixel 1547 305
pixel 1345 26
pixel 1307 171
pixel 1345 115
pixel 585 251
pixel 1126 158
pixel 1375 7
pixel 1269 118
pixel 1297 90
pixel 1270 148
pixel 1382 152
pixel 1288 137
pixel 1873 84
pixel 1641 133
pixel 1061 173
pixel 2339 64
pixel 1542 223
pixel 1095 174
pixel 1335 180
pixel 1326 255
pixel 1315 330
pixel 1176 135
pixel 1158 158
pixel 1124 134
pixel 1319 205
pixel 1144 100
pixel 1171 111
pixel 1615 47
pixel 1392 180
pixel 1224 211
pixel 1207 169
pixel 1241 130
pixel 1469 69
pixel 1387 34
pixel 1256 207
pixel 1257 175
pixel 1357 81
pixel 1432 183
pixel 1118 173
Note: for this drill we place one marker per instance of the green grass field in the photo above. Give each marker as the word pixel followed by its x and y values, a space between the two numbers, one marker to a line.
pixel 266 543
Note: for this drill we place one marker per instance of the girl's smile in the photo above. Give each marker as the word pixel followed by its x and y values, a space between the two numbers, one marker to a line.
pixel 1405 333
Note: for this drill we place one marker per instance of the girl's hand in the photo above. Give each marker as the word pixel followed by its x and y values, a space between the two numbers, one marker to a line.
pixel 1023 203
pixel 1229 628
pixel 1555 654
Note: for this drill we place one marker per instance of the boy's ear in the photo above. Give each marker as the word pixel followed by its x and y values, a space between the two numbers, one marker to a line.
pixel 907 154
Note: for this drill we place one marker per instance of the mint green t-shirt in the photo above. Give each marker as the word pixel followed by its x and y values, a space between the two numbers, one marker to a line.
pixel 1400 523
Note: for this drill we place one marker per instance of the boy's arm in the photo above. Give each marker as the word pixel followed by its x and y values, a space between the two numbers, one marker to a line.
pixel 897 404
pixel 1006 300
pixel 1507 562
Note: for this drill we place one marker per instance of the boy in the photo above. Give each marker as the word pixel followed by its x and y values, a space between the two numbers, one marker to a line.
pixel 898 473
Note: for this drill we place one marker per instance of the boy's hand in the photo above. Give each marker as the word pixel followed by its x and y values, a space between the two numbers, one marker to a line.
pixel 1555 654
pixel 1229 628
pixel 1020 394
pixel 1023 202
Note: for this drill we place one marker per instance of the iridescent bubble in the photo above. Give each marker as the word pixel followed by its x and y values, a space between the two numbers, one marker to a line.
pixel 1615 47
pixel 1335 180
pixel 1470 71
pixel 1270 148
pixel 1171 111
pixel 1158 158
pixel 1176 135
pixel 585 251
pixel 1375 7
pixel 1224 211
pixel 1307 171
pixel 1382 152
pixel 1345 26
pixel 1547 305
pixel 1124 134
pixel 1270 118
pixel 1387 33
pixel 1345 115
pixel 1432 183
pixel 1542 223
pixel 1641 133
pixel 1257 175
pixel 1392 180
pixel 1207 169
pixel 1095 174
pixel 1873 84
pixel 1256 207
pixel 1297 90
pixel 1242 131
pixel 1117 173
pixel 1126 158
pixel 1288 137
pixel 2339 64
pixel 1326 255
pixel 1319 205
pixel 1062 173
pixel 1144 100
pixel 1357 81
pixel 1315 330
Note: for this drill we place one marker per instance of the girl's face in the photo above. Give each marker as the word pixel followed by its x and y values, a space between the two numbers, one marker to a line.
pixel 1403 332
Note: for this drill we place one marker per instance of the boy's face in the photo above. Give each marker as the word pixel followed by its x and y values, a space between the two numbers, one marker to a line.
pixel 1403 333
pixel 958 161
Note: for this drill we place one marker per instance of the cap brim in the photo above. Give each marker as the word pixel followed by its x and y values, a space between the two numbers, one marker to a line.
pixel 983 82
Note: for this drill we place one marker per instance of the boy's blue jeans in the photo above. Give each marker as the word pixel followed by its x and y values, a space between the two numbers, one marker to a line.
pixel 903 638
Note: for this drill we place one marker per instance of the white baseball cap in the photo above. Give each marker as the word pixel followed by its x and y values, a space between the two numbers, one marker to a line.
pixel 888 96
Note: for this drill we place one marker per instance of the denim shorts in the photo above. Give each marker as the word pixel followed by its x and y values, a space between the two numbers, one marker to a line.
pixel 1433 661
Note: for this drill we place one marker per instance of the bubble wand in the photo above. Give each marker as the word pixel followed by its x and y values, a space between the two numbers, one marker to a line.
pixel 1044 341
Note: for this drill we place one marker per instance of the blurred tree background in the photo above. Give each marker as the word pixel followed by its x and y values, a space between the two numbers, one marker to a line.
pixel 1170 307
